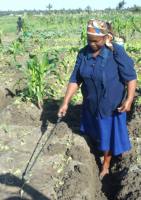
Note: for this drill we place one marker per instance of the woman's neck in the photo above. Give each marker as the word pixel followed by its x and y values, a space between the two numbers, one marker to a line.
pixel 96 53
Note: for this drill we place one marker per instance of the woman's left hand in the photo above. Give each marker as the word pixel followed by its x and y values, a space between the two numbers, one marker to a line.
pixel 126 106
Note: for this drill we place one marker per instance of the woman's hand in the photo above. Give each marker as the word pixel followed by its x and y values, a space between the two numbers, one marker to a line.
pixel 62 110
pixel 126 106
pixel 71 89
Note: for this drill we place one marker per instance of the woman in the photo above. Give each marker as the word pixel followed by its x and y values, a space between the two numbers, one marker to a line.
pixel 103 69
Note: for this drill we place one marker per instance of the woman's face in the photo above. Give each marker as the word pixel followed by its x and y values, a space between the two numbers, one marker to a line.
pixel 96 42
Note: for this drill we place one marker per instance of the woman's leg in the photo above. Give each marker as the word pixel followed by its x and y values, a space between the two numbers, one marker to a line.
pixel 106 164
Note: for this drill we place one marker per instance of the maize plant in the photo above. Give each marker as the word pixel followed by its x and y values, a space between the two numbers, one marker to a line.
pixel 15 48
pixel 84 36
pixel 37 69
pixel 0 37
pixel 125 26
pixel 60 76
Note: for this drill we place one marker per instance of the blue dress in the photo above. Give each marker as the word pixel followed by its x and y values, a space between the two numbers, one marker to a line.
pixel 110 133
pixel 102 82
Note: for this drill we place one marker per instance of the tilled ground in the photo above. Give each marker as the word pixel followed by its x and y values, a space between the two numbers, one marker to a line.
pixel 68 165
pixel 65 169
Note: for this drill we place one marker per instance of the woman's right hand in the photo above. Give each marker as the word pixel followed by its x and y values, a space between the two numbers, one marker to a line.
pixel 71 89
pixel 63 110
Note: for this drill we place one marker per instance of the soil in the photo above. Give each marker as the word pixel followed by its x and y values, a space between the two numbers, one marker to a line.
pixel 65 168
pixel 68 165
pixel 65 163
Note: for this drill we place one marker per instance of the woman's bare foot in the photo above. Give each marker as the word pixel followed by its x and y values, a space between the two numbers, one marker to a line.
pixel 104 172
pixel 106 164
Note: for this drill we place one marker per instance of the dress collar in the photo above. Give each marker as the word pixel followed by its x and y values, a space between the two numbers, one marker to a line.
pixel 90 54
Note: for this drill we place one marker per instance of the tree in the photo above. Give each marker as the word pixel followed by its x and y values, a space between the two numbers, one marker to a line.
pixel 120 5
pixel 136 8
pixel 88 9
pixel 49 6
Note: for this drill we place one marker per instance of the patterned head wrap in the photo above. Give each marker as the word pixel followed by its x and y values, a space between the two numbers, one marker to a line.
pixel 100 28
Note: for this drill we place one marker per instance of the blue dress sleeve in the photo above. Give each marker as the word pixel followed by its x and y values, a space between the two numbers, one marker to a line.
pixel 75 76
pixel 125 64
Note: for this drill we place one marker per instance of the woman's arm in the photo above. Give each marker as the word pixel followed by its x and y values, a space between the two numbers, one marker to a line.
pixel 131 87
pixel 71 89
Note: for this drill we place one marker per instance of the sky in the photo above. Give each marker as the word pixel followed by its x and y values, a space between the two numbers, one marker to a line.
pixel 59 4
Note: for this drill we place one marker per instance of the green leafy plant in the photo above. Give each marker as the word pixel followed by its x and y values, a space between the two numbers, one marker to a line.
pixel 37 69
pixel 84 36
pixel 15 48
pixel 0 37
pixel 60 76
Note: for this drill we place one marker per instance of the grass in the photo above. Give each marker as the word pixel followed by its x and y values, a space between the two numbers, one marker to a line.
pixel 8 24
